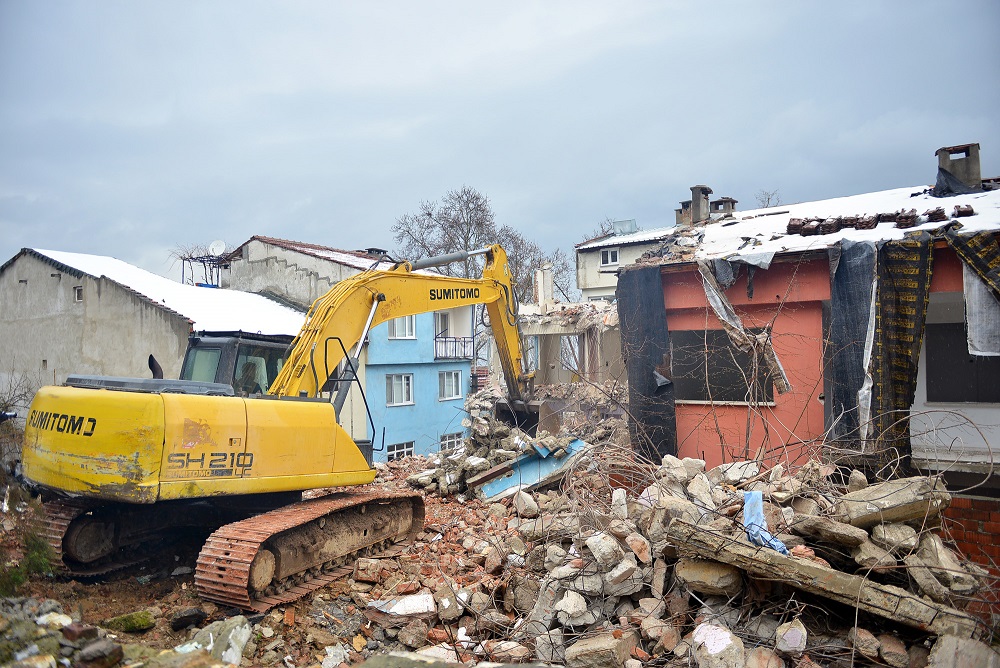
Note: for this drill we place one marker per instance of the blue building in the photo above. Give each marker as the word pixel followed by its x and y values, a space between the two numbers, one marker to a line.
pixel 417 374
pixel 415 371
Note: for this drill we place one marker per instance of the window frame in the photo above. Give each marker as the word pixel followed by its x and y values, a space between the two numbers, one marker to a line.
pixel 443 385
pixel 406 380
pixel 408 325
pixel 953 375
pixel 78 294
pixel 717 392
pixel 609 262
pixel 452 440
pixel 394 451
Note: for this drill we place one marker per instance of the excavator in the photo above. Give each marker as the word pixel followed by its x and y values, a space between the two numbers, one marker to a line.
pixel 124 464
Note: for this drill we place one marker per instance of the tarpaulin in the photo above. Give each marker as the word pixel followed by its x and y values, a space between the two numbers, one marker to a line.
pixel 759 344
pixel 852 272
pixel 980 255
pixel 903 290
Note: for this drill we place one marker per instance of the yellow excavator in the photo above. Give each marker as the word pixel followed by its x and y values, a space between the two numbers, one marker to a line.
pixel 125 463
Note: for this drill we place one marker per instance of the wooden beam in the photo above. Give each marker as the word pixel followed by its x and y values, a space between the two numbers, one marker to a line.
pixel 887 601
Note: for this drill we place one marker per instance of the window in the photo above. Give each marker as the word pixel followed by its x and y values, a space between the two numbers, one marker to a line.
pixel 451 441
pixel 442 324
pixel 201 364
pixel 395 451
pixel 402 328
pixel 609 256
pixel 706 366
pixel 449 385
pixel 398 389
pixel 955 376
pixel 78 293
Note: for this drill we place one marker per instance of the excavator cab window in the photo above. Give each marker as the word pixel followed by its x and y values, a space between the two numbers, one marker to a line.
pixel 201 364
pixel 256 367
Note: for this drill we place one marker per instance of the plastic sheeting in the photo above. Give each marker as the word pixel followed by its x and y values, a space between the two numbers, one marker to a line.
pixel 760 344
pixel 982 315
pixel 756 526
pixel 852 273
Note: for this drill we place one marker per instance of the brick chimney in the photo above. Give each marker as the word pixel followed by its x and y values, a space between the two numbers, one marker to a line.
pixel 684 213
pixel 699 204
pixel 962 162
pixel 724 206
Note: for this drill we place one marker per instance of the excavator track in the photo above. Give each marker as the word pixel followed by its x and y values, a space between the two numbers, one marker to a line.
pixel 52 526
pixel 306 545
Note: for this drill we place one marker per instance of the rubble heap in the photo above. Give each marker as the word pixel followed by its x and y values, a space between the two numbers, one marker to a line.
pixel 593 576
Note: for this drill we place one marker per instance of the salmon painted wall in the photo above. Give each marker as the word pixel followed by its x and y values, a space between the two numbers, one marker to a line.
pixel 791 296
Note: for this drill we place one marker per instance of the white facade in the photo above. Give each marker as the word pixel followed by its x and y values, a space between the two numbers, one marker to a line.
pixel 598 261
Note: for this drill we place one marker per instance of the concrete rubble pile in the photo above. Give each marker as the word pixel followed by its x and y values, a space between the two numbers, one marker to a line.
pixel 595 576
pixel 591 575
pixel 590 413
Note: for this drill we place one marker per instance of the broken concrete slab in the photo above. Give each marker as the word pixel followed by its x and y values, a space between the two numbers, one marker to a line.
pixel 717 647
pixel 602 651
pixel 831 531
pixel 900 500
pixel 945 565
pixel 895 537
pixel 874 558
pixel 884 600
pixel 709 577
pixel 924 577
pixel 954 652
pixel 790 638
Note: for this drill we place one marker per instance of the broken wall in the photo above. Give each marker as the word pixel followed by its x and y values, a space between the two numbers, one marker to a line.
pixel 788 298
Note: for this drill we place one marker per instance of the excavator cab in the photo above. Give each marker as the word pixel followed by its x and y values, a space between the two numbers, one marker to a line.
pixel 247 362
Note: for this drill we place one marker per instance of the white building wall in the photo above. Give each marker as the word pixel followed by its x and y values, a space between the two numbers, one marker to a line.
pixel 595 281
pixel 294 276
pixel 951 436
pixel 48 335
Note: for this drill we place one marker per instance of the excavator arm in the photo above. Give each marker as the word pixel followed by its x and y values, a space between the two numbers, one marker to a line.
pixel 341 319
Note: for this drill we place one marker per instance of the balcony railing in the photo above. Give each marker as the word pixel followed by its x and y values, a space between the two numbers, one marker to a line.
pixel 453 348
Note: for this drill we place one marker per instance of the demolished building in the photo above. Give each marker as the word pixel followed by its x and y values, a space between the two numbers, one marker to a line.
pixel 863 329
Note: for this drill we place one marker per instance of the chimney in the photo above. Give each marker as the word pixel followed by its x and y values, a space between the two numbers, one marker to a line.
pixel 684 213
pixel 699 204
pixel 544 294
pixel 722 207
pixel 962 162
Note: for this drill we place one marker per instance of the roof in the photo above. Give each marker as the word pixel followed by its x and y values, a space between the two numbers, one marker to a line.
pixel 208 309
pixel 357 259
pixel 640 237
pixel 756 236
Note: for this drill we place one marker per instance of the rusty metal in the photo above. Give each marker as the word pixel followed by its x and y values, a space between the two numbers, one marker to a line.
pixel 223 568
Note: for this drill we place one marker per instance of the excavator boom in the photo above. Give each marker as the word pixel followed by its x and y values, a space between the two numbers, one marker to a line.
pixel 354 305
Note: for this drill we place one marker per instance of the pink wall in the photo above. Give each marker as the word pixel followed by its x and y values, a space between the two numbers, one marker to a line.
pixel 790 295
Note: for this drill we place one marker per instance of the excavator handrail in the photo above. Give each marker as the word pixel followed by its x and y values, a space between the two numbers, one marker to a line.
pixel 377 295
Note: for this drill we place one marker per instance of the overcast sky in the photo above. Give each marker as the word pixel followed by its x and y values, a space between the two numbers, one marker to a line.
pixel 128 128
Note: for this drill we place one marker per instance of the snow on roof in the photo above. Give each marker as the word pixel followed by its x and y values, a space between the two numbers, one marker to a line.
pixel 764 232
pixel 640 237
pixel 209 309
pixel 356 259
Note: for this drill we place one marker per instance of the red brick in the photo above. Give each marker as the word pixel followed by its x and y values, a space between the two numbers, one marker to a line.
pixel 960 502
pixel 992 527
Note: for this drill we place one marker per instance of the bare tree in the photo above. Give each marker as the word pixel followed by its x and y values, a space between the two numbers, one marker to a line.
pixel 464 220
pixel 196 257
pixel 768 198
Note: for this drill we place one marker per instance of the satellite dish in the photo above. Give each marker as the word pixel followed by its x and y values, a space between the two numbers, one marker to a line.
pixel 217 247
